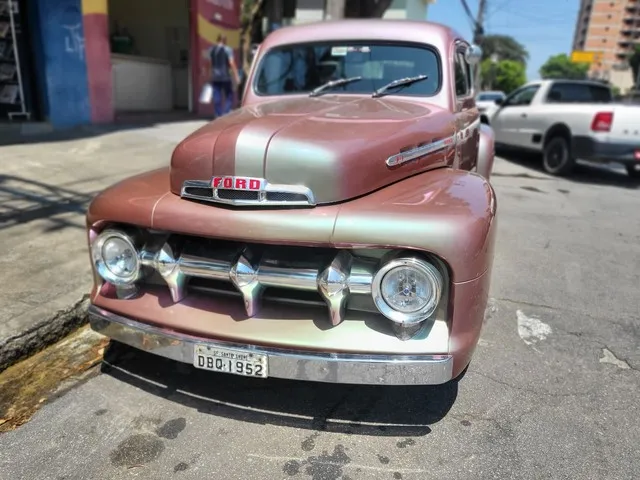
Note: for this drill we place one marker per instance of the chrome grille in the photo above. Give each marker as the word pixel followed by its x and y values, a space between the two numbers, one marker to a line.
pixel 337 279
pixel 271 195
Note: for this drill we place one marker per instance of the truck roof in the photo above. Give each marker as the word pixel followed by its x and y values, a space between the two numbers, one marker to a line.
pixel 365 29
pixel 566 80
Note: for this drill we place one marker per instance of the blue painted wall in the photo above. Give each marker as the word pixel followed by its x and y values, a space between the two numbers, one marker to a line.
pixel 60 60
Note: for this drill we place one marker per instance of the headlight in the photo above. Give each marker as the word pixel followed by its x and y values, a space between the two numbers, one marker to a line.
pixel 407 290
pixel 116 258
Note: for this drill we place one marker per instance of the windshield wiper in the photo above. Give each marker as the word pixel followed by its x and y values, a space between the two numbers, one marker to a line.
pixel 401 82
pixel 333 83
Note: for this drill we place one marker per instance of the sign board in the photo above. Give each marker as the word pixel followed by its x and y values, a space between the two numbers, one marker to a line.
pixel 578 56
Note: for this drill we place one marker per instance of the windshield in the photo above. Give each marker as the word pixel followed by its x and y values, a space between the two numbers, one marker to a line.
pixel 489 97
pixel 299 68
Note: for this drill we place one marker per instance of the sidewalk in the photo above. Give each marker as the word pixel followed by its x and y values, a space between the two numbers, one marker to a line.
pixel 45 188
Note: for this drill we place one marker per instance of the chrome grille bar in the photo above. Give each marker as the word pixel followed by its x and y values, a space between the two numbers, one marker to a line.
pixel 334 278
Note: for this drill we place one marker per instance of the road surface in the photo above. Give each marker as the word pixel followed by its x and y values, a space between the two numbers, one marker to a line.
pixel 552 392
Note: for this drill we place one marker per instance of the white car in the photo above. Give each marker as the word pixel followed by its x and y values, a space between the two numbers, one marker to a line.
pixel 566 120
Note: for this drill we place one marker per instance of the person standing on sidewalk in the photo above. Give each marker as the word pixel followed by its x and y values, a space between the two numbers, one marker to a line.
pixel 222 68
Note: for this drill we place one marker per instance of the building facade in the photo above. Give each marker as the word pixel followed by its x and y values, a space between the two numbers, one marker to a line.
pixel 78 62
pixel 611 28
pixel 313 10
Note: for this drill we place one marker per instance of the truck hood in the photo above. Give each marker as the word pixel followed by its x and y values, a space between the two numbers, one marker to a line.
pixel 336 146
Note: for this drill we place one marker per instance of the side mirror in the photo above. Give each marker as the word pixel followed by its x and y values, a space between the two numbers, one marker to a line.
pixel 473 54
pixel 499 101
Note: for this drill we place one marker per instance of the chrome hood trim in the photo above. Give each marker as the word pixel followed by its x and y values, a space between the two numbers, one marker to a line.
pixel 269 195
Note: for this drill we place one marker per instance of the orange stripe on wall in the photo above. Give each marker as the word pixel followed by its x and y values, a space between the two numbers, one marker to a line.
pixel 94 6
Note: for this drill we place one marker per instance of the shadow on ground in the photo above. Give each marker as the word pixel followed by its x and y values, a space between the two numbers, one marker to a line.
pixel 23 200
pixel 124 122
pixel 349 409
pixel 585 173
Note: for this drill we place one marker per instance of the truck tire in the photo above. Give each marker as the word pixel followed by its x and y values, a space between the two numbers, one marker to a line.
pixel 633 173
pixel 557 158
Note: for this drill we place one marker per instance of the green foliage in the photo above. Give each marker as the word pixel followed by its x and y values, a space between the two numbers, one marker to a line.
pixel 506 75
pixel 615 91
pixel 506 47
pixel 561 67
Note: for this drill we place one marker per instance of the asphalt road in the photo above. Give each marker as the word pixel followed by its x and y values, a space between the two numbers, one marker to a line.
pixel 552 391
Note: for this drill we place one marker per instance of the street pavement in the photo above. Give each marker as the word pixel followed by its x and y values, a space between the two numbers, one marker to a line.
pixel 552 391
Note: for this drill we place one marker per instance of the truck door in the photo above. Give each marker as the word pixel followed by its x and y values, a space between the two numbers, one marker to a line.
pixel 467 116
pixel 510 121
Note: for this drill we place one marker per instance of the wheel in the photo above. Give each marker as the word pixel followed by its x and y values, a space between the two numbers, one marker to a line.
pixel 557 158
pixel 633 173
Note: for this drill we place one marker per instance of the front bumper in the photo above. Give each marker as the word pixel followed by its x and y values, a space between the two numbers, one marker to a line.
pixel 283 363
pixel 587 148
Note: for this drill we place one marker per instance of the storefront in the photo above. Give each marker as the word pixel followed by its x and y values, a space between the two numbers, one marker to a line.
pixel 149 54
pixel 97 59
pixel 16 66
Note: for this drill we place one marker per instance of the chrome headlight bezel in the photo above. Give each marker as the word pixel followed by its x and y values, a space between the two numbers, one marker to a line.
pixel 408 318
pixel 98 259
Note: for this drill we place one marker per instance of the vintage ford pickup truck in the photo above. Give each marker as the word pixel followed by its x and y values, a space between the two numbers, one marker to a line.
pixel 338 227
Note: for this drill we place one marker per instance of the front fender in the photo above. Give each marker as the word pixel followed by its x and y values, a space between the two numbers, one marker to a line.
pixel 449 213
pixel 486 151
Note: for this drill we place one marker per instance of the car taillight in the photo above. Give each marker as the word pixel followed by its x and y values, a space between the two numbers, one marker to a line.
pixel 602 122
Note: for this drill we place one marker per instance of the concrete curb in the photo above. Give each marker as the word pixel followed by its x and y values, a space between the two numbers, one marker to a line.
pixel 44 333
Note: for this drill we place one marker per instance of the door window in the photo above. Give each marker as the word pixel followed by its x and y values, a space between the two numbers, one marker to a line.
pixel 568 92
pixel 462 75
pixel 522 97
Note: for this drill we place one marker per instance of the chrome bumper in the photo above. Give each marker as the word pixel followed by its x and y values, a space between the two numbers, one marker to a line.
pixel 290 364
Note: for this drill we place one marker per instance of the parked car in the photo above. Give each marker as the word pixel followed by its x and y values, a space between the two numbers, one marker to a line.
pixel 488 99
pixel 338 227
pixel 566 120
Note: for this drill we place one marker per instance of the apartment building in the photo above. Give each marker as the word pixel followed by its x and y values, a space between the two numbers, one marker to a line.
pixel 610 27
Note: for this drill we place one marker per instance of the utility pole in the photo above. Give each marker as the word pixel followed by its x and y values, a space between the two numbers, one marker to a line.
pixel 478 35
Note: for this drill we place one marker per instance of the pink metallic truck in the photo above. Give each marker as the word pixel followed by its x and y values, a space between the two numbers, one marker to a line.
pixel 338 227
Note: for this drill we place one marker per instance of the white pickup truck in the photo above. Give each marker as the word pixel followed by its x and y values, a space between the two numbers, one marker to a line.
pixel 566 120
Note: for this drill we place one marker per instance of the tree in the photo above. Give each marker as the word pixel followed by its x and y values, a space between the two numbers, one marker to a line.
pixel 505 75
pixel 561 67
pixel 506 47
pixel 634 63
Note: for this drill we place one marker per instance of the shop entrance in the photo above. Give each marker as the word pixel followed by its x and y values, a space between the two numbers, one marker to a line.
pixel 150 60
pixel 17 102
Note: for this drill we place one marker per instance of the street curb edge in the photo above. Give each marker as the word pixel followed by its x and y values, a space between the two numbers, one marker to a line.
pixel 44 334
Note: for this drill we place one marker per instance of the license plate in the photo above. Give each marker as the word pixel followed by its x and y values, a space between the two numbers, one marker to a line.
pixel 225 360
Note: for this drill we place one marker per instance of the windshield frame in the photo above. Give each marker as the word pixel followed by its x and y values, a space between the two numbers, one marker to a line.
pixel 346 42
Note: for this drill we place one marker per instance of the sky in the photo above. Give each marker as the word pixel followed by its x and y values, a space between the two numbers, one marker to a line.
pixel 544 27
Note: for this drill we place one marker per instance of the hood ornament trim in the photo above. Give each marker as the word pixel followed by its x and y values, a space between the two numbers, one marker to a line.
pixel 247 192
pixel 409 155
